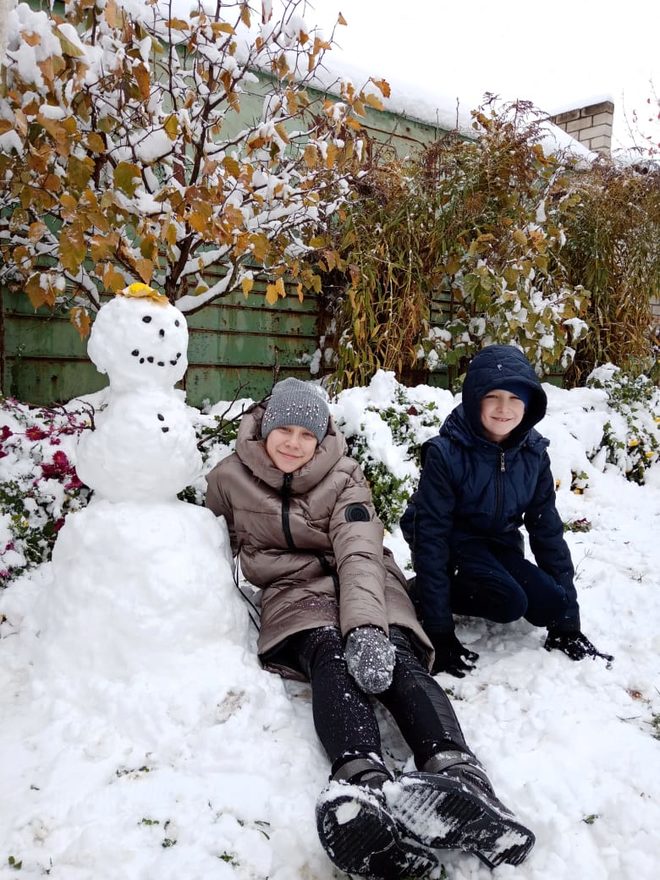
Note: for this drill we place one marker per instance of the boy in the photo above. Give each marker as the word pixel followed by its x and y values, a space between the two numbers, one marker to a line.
pixel 486 474
pixel 335 611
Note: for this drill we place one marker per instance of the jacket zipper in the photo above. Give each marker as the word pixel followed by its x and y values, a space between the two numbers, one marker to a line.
pixel 498 486
pixel 286 528
pixel 286 500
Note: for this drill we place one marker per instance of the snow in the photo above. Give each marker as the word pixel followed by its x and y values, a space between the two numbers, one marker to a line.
pixel 142 739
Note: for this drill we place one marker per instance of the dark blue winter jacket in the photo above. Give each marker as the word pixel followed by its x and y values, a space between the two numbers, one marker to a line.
pixel 474 490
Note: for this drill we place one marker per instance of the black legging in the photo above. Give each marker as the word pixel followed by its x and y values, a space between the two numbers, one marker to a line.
pixel 344 716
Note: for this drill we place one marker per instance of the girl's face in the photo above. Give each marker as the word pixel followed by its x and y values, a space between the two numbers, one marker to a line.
pixel 501 412
pixel 290 447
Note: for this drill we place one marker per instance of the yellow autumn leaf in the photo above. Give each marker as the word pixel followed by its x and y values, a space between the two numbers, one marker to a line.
pixel 232 166
pixel 36 230
pixel 143 80
pixel 198 221
pixel 72 249
pixel 383 86
pixel 511 276
pixel 69 203
pixel 519 237
pixel 330 155
pixel 112 14
pixel 260 246
pixel 246 285
pixel 341 19
pixel 170 234
pixel 79 317
pixel 310 156
pixel 101 246
pixel 281 130
pixel 145 269
pixel 256 143
pixel 79 171
pixel 373 101
pixel 171 126
pixel 95 142
pixel 245 17
pixel 271 294
pixel 149 247
pixel 137 290
pixel 68 47
pixel 112 279
pixel 35 291
pixel 127 177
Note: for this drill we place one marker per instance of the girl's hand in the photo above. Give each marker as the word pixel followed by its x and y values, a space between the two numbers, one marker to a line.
pixel 370 657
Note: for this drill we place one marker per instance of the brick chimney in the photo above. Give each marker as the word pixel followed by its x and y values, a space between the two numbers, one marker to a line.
pixel 591 126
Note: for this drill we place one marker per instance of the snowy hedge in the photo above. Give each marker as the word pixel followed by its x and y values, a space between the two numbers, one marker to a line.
pixel 613 424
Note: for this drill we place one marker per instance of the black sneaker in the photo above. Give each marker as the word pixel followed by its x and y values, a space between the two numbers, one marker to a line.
pixel 361 837
pixel 455 807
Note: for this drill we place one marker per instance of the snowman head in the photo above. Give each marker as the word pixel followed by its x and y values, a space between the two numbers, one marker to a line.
pixel 139 338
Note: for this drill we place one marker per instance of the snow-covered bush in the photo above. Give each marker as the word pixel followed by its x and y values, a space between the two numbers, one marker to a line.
pixel 385 424
pixel 454 249
pixel 38 482
pixel 386 437
pixel 631 435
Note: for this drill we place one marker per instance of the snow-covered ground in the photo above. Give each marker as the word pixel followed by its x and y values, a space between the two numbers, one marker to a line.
pixel 189 761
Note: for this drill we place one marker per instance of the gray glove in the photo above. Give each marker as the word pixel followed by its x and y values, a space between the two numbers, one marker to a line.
pixel 370 657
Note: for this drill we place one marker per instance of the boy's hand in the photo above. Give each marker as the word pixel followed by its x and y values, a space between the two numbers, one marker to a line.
pixel 574 644
pixel 370 657
pixel 449 654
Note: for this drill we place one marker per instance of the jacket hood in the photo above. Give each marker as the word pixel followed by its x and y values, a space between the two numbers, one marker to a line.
pixel 489 369
pixel 251 450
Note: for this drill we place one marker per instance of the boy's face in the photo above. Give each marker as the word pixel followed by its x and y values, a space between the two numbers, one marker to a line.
pixel 501 412
pixel 290 447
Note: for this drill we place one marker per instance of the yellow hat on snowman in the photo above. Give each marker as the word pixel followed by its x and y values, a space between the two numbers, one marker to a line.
pixel 138 290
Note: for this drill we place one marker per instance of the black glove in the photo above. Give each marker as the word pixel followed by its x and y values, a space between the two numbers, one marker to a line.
pixel 449 655
pixel 574 644
pixel 370 657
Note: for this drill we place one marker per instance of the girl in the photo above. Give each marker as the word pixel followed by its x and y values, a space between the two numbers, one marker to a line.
pixel 335 611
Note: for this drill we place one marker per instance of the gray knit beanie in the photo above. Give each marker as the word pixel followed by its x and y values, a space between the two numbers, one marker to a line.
pixel 293 402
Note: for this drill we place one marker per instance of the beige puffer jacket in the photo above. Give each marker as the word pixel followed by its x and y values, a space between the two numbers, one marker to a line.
pixel 308 539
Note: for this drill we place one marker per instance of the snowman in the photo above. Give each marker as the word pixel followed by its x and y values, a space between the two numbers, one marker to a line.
pixel 142 591
pixel 144 445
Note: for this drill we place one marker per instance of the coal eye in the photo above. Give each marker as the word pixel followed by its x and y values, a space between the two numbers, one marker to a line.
pixel 146 319
pixel 176 323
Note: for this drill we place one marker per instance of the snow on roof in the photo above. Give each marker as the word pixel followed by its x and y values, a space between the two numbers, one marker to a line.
pixel 578 103
pixel 432 107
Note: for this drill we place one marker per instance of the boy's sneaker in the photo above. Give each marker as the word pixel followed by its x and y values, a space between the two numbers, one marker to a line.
pixel 452 805
pixel 361 836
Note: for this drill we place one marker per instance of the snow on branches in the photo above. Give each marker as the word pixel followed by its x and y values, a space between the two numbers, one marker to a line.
pixel 138 146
